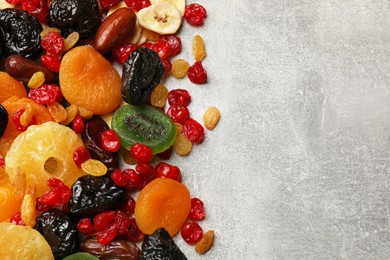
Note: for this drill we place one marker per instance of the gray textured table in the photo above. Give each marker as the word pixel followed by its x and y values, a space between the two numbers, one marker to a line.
pixel 298 166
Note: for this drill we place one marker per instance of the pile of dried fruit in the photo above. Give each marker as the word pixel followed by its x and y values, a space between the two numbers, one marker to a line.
pixel 68 119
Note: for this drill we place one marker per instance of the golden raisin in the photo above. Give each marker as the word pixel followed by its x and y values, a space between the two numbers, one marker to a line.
pixel 71 112
pixel 159 96
pixel 179 128
pixel 182 145
pixel 49 29
pixel 57 111
pixel 71 41
pixel 150 35
pixel 198 48
pixel 36 80
pixel 211 117
pixel 19 183
pixel 27 210
pixel 205 243
pixel 85 113
pixel 27 115
pixel 180 68
pixel 94 167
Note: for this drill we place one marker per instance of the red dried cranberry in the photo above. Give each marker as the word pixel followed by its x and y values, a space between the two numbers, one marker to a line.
pixel 161 47
pixel 129 205
pixel 142 153
pixel 122 221
pixel 197 74
pixel 191 232
pixel 197 210
pixel 28 5
pixel 195 14
pixel 16 120
pixel 134 234
pixel 81 155
pixel 59 194
pixel 179 114
pixel 17 219
pixel 165 170
pixel 78 124
pixel 146 172
pixel 174 44
pixel 122 52
pixel 137 4
pixel 110 141
pixel 106 235
pixel 85 226
pixel 166 154
pixel 53 43
pixel 102 220
pixel 133 179
pixel 51 62
pixel 12 2
pixel 46 94
pixel 179 97
pixel 167 67
pixel 108 3
pixel 193 130
pixel 147 45
pixel 119 178
pixel 41 11
pixel 2 162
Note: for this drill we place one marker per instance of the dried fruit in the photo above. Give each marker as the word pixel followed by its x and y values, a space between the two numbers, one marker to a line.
pixel 180 68
pixel 165 170
pixel 10 87
pixel 57 111
pixel 178 114
pixel 85 226
pixel 197 74
pixel 122 52
pixel 174 43
pixel 58 195
pixel 37 79
pixel 27 209
pixel 142 153
pixel 115 249
pixel 195 14
pixel 110 141
pixel 159 96
pixel 180 4
pixel 46 94
pixel 94 167
pixel 211 117
pixel 71 41
pixel 78 124
pixel 51 62
pixel 71 113
pixel 53 43
pixel 108 3
pixel 137 4
pixel 182 145
pixel 197 210
pixel 205 243
pixel 193 130
pixel 179 97
pixel 80 155
pixel 198 48
pixel 191 232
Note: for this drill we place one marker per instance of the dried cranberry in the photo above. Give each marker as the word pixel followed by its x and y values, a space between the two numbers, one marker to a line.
pixel 129 206
pixel 2 162
pixel 197 210
pixel 53 43
pixel 85 226
pixel 12 2
pixel 162 48
pixel 108 3
pixel 195 14
pixel 29 4
pixel 51 62
pixel 134 234
pixel 78 124
pixel 46 94
pixel 133 178
pixel 122 221
pixel 41 11
pixel 165 170
pixel 110 141
pixel 197 74
pixel 146 172
pixel 119 178
pixel 179 97
pixel 59 194
pixel 17 219
pixel 147 45
pixel 106 235
pixel 174 44
pixel 142 153
pixel 122 52
pixel 137 4
pixel 179 114
pixel 81 155
pixel 193 130
pixel 167 67
pixel 191 232
pixel 102 220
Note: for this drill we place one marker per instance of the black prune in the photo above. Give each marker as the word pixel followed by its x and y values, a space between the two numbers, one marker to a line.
pixel 141 73
pixel 59 232
pixel 92 138
pixel 92 195
pixel 160 246
pixel 80 16
pixel 20 33
pixel 115 249
pixel 3 120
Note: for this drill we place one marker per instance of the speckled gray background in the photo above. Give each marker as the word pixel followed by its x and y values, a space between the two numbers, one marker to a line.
pixel 298 167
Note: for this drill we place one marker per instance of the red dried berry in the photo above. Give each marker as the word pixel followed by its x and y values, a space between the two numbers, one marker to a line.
pixel 167 67
pixel 78 124
pixel 137 4
pixel 85 226
pixel 195 14
pixel 133 179
pixel 179 114
pixel 162 48
pixel 197 74
pixel 41 11
pixel 165 170
pixel 147 45
pixel 191 232
pixel 197 210
pixel 12 2
pixel 146 172
pixel 81 155
pixel 174 43
pixel 46 94
pixel 111 141
pixel 166 154
pixel 103 220
pixel 106 235
pixel 193 130
pixel 129 205
pixel 141 152
pixel 134 234
pixel 122 52
pixel 122 221
pixel 16 121
pixel 59 194
pixel 51 62
pixel 119 178
pixel 17 219
pixel 179 97
pixel 108 3
pixel 2 162
pixel 29 5
pixel 53 43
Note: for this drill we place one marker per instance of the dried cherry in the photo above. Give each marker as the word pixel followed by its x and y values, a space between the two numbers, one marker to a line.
pixel 195 14
pixel 193 130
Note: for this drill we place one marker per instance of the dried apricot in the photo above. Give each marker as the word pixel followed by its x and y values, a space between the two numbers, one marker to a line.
pixel 198 48
pixel 180 68
pixel 162 203
pixel 10 201
pixel 88 80
pixel 10 87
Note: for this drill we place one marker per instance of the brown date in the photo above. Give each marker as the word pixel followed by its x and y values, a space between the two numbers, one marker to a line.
pixel 115 29
pixel 22 68
pixel 116 249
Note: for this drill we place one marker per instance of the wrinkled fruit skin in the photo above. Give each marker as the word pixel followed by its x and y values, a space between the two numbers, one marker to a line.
pixel 115 249
pixel 69 16
pixel 19 34
pixel 142 72
pixel 160 246
pixel 92 195
pixel 3 120
pixel 58 230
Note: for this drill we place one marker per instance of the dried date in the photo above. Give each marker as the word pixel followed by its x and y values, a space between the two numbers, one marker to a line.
pixel 116 249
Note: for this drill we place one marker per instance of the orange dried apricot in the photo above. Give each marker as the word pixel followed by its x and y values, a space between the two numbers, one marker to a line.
pixel 162 203
pixel 10 201
pixel 10 87
pixel 88 80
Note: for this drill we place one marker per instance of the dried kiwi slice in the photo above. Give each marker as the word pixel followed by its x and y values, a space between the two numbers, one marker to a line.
pixel 144 124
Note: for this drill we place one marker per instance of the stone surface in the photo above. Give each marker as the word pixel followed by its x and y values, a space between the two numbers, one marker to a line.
pixel 298 167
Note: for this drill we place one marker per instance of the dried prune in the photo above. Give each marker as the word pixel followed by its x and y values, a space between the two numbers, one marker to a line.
pixel 80 16
pixel 20 33
pixel 141 73
pixel 160 245
pixel 115 249
pixel 3 120
pixel 92 195
pixel 59 231
pixel 92 138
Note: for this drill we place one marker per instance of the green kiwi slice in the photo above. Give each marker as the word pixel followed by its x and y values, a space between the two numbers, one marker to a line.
pixel 144 124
